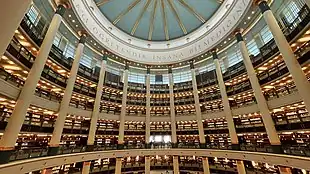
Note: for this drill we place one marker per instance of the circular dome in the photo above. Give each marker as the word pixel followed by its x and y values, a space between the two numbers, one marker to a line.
pixel 158 20
pixel 160 31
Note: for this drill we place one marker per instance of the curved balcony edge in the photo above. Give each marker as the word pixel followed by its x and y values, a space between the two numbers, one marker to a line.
pixel 29 165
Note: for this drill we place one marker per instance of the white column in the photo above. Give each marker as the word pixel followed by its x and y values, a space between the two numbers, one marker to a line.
pixel 64 105
pixel 123 110
pixel 12 12
pixel 261 101
pixel 240 167
pixel 227 109
pixel 118 166
pixel 147 165
pixel 14 125
pixel 176 169
pixel 86 167
pixel 148 108
pixel 172 110
pixel 299 78
pixel 202 139
pixel 96 110
pixel 206 167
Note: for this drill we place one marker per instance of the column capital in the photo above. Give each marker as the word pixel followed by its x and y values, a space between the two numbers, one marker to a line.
pixel 62 5
pixel 214 54
pixel 127 66
pixel 170 70
pixel 148 70
pixel 191 65
pixel 105 57
pixel 65 3
pixel 263 5
pixel 238 34
pixel 83 35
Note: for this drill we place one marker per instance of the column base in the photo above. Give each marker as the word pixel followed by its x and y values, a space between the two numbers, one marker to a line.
pixel 148 146
pixel 120 146
pixel 202 145
pixel 53 151
pixel 5 156
pixel 90 148
pixel 277 149
pixel 235 147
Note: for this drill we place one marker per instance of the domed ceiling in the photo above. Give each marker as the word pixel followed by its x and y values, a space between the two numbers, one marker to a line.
pixel 158 20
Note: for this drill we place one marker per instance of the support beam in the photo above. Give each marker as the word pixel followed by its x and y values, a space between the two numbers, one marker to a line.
pixel 123 110
pixel 65 102
pixel 172 111
pixel 10 135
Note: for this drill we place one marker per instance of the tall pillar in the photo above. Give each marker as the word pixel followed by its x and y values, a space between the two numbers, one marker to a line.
pixel 15 123
pixel 206 167
pixel 227 109
pixel 147 165
pixel 240 167
pixel 298 75
pixel 96 110
pixel 123 110
pixel 172 110
pixel 12 13
pixel 118 166
pixel 202 139
pixel 86 167
pixel 261 101
pixel 176 169
pixel 64 105
pixel 148 109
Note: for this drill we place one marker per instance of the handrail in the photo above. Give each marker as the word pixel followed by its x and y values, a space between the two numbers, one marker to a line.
pixel 26 166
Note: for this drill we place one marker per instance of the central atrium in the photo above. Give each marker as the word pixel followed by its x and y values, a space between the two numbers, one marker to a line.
pixel 155 86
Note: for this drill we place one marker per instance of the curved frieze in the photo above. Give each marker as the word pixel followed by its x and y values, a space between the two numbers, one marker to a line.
pixel 203 39
pixel 30 165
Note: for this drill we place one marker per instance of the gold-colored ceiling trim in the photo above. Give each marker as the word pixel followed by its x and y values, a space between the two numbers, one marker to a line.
pixel 130 7
pixel 133 30
pixel 151 29
pixel 163 11
pixel 192 10
pixel 176 14
pixel 102 2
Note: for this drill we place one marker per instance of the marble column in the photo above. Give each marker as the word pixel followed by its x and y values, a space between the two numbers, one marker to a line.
pixel 96 110
pixel 86 167
pixel 298 75
pixel 261 101
pixel 225 101
pixel 64 105
pixel 12 12
pixel 172 110
pixel 202 139
pixel 206 167
pixel 7 142
pixel 118 166
pixel 240 167
pixel 123 110
pixel 147 165
pixel 176 169
pixel 148 109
